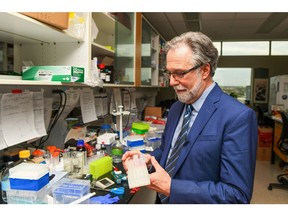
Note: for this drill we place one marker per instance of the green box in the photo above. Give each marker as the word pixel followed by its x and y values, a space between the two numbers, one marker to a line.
pixel 53 73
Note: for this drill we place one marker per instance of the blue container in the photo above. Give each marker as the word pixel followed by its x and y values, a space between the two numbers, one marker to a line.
pixel 29 176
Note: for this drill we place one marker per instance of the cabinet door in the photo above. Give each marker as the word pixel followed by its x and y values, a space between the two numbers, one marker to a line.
pixel 125 54
pixel 149 55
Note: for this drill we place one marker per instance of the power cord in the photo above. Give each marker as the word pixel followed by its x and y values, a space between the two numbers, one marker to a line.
pixel 62 105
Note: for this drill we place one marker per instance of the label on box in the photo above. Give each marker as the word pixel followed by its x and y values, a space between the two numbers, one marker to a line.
pixel 53 73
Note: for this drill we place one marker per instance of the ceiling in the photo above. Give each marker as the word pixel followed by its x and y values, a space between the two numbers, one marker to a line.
pixel 226 26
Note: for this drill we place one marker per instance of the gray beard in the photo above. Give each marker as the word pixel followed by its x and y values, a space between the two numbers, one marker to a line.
pixel 190 94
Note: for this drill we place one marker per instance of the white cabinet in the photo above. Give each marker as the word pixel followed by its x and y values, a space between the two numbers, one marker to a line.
pixel 43 45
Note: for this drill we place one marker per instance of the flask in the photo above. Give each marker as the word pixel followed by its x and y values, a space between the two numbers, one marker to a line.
pixel 5 183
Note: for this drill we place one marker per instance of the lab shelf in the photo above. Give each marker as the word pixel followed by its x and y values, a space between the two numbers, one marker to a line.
pixel 23 29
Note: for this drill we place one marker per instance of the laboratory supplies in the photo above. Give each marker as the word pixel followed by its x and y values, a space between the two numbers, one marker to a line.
pixel 69 190
pixel 101 166
pixel 118 176
pixel 82 199
pixel 136 142
pixel 106 138
pixel 107 199
pixel 28 196
pixel 5 183
pixel 117 151
pixel 117 191
pixel 137 172
pixel 81 148
pixel 104 183
pixel 29 176
pixel 140 127
pixel 105 128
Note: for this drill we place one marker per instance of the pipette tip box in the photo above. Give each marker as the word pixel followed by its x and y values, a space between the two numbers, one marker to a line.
pixel 68 190
pixel 29 176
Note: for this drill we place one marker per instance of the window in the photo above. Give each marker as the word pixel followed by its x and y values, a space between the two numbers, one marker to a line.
pixel 249 48
pixel 279 48
pixel 235 82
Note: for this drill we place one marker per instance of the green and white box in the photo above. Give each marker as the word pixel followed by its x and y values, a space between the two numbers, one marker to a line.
pixel 53 73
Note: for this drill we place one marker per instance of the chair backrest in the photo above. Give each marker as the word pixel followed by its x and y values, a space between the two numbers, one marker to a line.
pixel 284 132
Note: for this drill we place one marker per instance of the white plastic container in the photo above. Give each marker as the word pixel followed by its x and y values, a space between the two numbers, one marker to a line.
pixel 29 176
pixel 137 172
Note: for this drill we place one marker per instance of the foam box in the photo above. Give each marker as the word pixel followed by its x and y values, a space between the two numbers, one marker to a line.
pixel 29 176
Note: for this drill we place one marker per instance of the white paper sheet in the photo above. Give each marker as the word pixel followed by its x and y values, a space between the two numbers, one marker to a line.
pixel 38 108
pixel 87 103
pixel 2 140
pixel 17 118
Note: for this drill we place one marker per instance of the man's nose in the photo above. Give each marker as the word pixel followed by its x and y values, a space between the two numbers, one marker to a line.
pixel 173 81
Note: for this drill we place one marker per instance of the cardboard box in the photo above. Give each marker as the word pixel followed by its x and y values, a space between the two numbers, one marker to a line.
pixel 153 111
pixel 53 73
pixel 59 20
pixel 264 148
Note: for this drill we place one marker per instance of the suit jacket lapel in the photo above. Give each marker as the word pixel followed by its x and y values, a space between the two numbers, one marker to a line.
pixel 207 109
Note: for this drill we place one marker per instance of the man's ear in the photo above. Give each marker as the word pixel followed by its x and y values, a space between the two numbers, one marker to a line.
pixel 206 70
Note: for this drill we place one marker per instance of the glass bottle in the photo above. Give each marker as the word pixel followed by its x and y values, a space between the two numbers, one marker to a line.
pixel 117 152
pixel 81 148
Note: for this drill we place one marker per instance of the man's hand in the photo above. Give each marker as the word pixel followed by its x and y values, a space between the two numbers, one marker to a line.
pixel 160 180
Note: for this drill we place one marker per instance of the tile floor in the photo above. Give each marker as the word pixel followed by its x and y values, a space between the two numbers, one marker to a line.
pixel 265 173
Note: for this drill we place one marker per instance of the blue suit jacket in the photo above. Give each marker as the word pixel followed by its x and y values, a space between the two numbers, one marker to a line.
pixel 217 164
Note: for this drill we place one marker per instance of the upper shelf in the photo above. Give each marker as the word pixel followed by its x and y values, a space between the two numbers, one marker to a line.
pixel 23 29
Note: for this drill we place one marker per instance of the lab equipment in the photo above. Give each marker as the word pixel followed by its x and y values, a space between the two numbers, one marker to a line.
pixel 107 199
pixel 28 196
pixel 29 176
pixel 117 191
pixel 5 184
pixel 117 152
pixel 137 172
pixel 69 190
pixel 104 183
pixel 100 166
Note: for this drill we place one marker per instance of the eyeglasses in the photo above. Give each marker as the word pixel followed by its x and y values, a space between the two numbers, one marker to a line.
pixel 179 75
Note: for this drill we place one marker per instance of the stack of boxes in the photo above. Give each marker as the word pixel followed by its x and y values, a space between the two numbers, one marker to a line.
pixel 28 184
pixel 264 149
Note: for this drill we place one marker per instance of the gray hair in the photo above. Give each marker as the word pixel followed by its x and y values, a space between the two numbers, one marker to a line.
pixel 201 45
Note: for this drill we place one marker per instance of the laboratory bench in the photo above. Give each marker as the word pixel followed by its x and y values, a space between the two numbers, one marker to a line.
pixel 123 198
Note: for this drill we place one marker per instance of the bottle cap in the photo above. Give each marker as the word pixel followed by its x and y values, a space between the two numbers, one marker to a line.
pixel 24 154
pixel 105 126
pixel 80 142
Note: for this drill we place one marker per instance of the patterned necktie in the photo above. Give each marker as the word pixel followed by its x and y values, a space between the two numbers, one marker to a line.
pixel 181 140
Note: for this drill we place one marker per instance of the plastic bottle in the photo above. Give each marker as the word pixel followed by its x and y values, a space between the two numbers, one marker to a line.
pixel 94 70
pixel 102 72
pixel 5 183
pixel 24 157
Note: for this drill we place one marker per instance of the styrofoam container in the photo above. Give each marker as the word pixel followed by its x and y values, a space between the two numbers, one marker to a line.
pixel 29 176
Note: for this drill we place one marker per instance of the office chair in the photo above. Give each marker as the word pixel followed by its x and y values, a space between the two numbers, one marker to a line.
pixel 260 116
pixel 282 145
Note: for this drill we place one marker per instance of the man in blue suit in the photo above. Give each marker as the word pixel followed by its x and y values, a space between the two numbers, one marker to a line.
pixel 216 163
